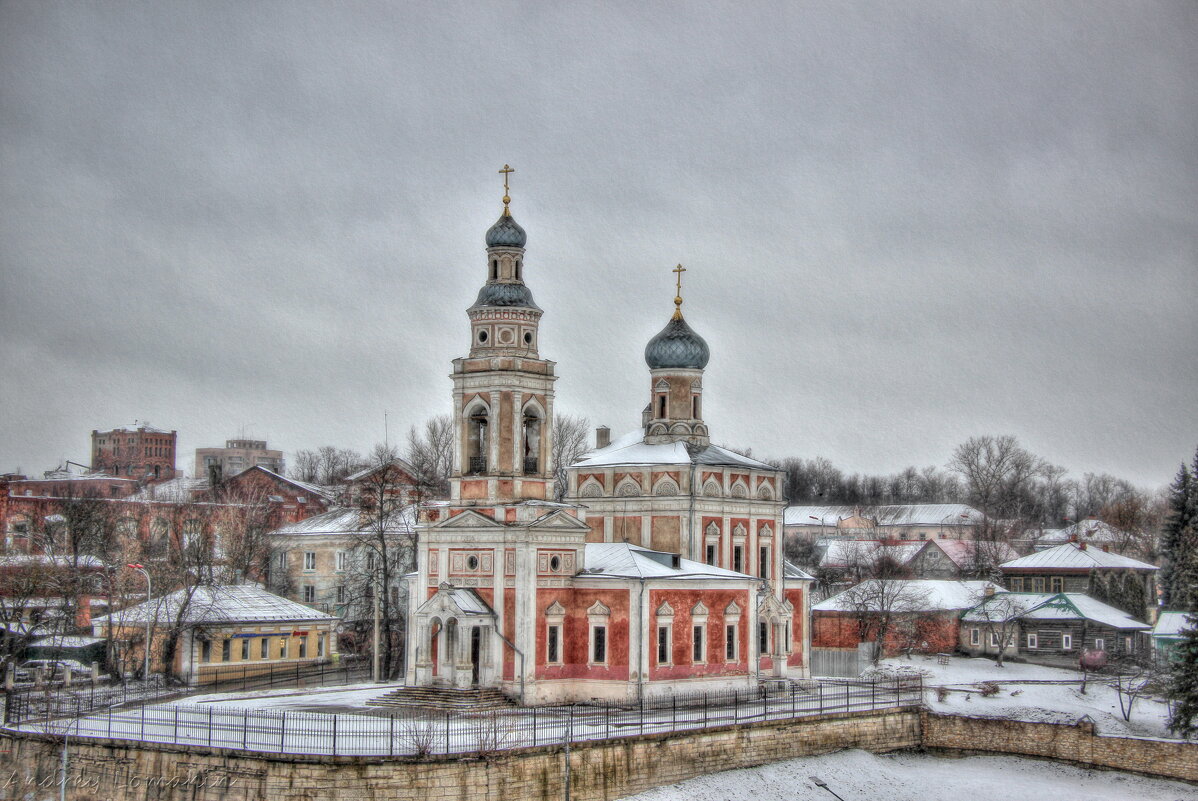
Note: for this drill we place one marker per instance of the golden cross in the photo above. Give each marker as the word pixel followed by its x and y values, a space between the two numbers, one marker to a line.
pixel 678 271
pixel 506 200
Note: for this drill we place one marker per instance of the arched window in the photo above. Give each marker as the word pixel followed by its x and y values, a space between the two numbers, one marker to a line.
pixel 532 441
pixel 494 269
pixel 661 407
pixel 476 442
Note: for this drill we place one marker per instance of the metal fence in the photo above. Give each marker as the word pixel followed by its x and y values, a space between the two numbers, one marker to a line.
pixel 419 734
pixel 59 701
pixel 35 703
pixel 254 676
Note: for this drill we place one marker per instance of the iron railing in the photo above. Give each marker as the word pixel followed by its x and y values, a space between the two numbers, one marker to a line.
pixel 423 733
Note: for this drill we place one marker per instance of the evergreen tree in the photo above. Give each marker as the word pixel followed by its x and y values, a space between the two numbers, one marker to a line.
pixel 1183 681
pixel 1179 543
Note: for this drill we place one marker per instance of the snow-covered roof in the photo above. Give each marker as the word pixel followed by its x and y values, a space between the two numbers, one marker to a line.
pixel 345 520
pixel 624 560
pixel 914 514
pixel 1074 556
pixel 792 571
pixel 175 490
pixel 402 464
pixel 316 489
pixel 1091 530
pixel 961 552
pixel 841 553
pixel 1170 624
pixel 1004 606
pixel 227 603
pixel 918 595
pixel 631 449
pixel 1074 605
pixel 1051 606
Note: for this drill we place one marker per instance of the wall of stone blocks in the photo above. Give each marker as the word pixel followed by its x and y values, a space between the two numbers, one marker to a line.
pixel 102 771
pixel 1072 742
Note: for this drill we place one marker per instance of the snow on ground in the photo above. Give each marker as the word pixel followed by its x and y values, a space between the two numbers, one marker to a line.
pixel 858 775
pixel 347 698
pixel 1020 697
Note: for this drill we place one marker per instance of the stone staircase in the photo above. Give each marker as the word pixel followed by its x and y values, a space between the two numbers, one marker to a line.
pixel 444 699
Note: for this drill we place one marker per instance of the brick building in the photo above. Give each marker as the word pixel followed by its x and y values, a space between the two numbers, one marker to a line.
pixel 135 451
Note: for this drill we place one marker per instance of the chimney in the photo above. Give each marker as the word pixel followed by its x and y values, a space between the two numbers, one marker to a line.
pixel 1081 546
pixel 602 437
pixel 989 591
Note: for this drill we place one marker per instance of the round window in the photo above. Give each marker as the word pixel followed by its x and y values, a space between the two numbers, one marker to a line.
pixel 482 336
pixel 555 563
pixel 472 562
pixel 527 337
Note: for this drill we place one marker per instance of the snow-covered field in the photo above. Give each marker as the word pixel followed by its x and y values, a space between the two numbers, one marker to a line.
pixel 326 699
pixel 1020 696
pixel 859 775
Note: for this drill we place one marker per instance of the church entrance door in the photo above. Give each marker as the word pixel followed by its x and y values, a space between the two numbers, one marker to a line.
pixel 475 650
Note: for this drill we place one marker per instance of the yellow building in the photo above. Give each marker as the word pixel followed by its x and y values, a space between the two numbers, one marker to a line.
pixel 226 630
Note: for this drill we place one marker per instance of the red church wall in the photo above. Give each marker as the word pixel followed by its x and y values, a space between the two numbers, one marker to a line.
pixel 682 601
pixel 928 632
pixel 576 634
pixel 795 597
pixel 509 631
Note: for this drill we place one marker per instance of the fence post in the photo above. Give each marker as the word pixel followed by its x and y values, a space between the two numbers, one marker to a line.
pixel 873 694
pixel 209 727
pixel 736 706
pixel 391 737
pixel 109 723
pixel 447 732
pixel 705 710
pixel 821 697
pixel 335 716
pixel 535 739
pixel 642 702
pixel 143 722
pixel 245 728
pixel 175 736
pixel 674 717
pixel 792 700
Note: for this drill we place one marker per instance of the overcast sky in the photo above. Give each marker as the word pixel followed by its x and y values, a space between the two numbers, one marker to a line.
pixel 904 224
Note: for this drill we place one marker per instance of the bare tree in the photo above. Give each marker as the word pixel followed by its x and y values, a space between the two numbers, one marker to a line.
pixel 384 551
pixel 326 465
pixel 879 605
pixel 569 444
pixel 999 475
pixel 430 452
pixel 997 615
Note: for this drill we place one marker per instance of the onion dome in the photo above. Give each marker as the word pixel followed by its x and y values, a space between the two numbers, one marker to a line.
pixel 505 295
pixel 677 346
pixel 506 233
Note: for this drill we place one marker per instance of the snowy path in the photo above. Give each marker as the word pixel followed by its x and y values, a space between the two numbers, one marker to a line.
pixel 861 776
pixel 269 722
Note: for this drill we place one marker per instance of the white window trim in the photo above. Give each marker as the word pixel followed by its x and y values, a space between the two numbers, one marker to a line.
pixel 1033 641
pixel 730 623
pixel 994 639
pixel 309 561
pixel 549 626
pixel 975 636
pixel 1067 642
pixel 668 626
pixel 700 627
pixel 591 661
pixel 1100 643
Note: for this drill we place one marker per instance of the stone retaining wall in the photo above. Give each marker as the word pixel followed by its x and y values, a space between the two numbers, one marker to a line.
pixel 1071 742
pixel 600 771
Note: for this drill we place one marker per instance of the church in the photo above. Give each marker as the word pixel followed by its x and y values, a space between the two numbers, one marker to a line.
pixel 661 573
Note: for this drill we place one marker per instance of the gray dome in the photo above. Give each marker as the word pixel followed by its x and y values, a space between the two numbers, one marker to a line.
pixel 506 232
pixel 505 295
pixel 677 346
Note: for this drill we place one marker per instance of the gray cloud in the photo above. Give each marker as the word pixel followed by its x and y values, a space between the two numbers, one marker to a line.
pixel 904 225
